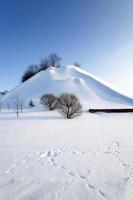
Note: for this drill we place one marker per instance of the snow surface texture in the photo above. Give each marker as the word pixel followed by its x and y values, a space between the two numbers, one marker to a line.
pixel 93 92
pixel 44 156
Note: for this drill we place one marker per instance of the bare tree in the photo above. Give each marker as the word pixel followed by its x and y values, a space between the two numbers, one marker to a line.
pixel 31 71
pixel 54 60
pixel 16 104
pixel 69 105
pixel 49 100
pixel 44 64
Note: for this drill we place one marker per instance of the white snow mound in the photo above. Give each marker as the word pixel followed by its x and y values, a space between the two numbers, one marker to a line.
pixel 91 90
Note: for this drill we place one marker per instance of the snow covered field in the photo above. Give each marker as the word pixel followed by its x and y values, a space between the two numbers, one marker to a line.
pixel 46 157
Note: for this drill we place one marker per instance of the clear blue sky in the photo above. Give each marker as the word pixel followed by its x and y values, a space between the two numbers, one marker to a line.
pixel 96 33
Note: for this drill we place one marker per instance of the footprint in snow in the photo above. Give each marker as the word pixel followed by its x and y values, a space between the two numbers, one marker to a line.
pixel 82 177
pixel 102 193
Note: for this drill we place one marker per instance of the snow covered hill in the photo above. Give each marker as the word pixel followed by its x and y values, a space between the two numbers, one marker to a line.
pixel 91 90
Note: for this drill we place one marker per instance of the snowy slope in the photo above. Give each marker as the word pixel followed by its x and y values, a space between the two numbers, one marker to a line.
pixel 92 91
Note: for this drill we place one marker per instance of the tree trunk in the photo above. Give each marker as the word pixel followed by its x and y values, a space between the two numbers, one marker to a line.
pixel 68 117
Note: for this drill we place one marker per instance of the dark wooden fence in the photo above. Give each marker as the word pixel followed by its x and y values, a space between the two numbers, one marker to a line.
pixel 115 110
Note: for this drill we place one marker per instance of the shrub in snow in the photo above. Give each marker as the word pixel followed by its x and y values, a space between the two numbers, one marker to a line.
pixel 69 105
pixel 53 60
pixel 31 104
pixel 31 71
pixel 77 64
pixel 49 100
